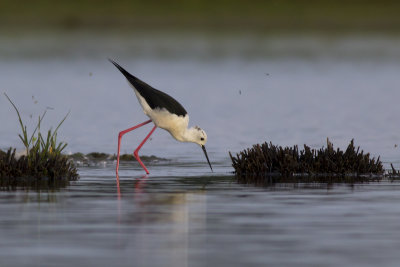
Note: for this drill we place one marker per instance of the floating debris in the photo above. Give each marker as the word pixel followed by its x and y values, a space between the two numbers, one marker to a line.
pixel 271 163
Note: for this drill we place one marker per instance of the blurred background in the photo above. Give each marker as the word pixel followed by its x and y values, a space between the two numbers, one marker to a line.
pixel 290 72
pixel 231 16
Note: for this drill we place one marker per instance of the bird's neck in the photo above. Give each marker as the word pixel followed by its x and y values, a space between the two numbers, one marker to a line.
pixel 188 135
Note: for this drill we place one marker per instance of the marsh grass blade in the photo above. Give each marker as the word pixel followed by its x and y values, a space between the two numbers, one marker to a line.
pixel 39 145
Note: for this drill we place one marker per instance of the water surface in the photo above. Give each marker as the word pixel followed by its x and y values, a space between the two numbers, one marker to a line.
pixel 242 89
pixel 199 220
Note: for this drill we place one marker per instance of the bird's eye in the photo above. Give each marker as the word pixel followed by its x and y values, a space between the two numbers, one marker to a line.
pixel 202 139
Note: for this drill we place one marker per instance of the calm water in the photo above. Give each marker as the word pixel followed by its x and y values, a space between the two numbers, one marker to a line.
pixel 199 220
pixel 242 90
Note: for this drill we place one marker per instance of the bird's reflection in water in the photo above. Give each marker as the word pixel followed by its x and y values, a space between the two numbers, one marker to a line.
pixel 137 193
pixel 138 185
pixel 171 217
pixel 118 189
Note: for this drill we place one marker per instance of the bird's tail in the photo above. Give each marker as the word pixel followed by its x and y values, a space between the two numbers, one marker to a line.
pixel 127 75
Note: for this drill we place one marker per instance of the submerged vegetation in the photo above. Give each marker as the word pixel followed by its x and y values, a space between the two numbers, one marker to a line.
pixel 102 159
pixel 42 159
pixel 271 163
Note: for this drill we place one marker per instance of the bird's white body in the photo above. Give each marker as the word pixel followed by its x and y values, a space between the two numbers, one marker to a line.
pixel 176 125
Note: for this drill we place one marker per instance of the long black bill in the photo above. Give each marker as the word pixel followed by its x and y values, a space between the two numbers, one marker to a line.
pixel 205 153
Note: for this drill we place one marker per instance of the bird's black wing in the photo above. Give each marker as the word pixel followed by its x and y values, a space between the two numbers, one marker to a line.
pixel 155 98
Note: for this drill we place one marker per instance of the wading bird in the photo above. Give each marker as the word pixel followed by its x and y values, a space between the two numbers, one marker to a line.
pixel 165 112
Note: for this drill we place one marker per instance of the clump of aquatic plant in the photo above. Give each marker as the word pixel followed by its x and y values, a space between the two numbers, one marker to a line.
pixel 325 164
pixel 40 144
pixel 42 158
pixel 56 169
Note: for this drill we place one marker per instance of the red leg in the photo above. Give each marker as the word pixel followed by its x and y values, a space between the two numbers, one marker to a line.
pixel 120 136
pixel 140 146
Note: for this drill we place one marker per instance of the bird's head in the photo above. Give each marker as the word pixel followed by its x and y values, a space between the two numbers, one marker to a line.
pixel 199 137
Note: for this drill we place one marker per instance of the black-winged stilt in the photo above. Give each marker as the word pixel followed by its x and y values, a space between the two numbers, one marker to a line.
pixel 165 112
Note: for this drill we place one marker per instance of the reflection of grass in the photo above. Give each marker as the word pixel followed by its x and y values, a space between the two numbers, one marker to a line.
pixel 42 158
pixel 272 14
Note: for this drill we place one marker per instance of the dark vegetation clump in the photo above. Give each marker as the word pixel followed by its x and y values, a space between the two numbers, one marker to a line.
pixel 130 157
pixel 94 157
pixel 42 161
pixel 103 159
pixel 77 156
pixel 50 168
pixel 268 162
pixel 126 157
pixel 97 155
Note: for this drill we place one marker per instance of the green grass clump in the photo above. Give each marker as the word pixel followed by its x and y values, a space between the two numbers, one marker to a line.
pixel 38 144
pixel 42 158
